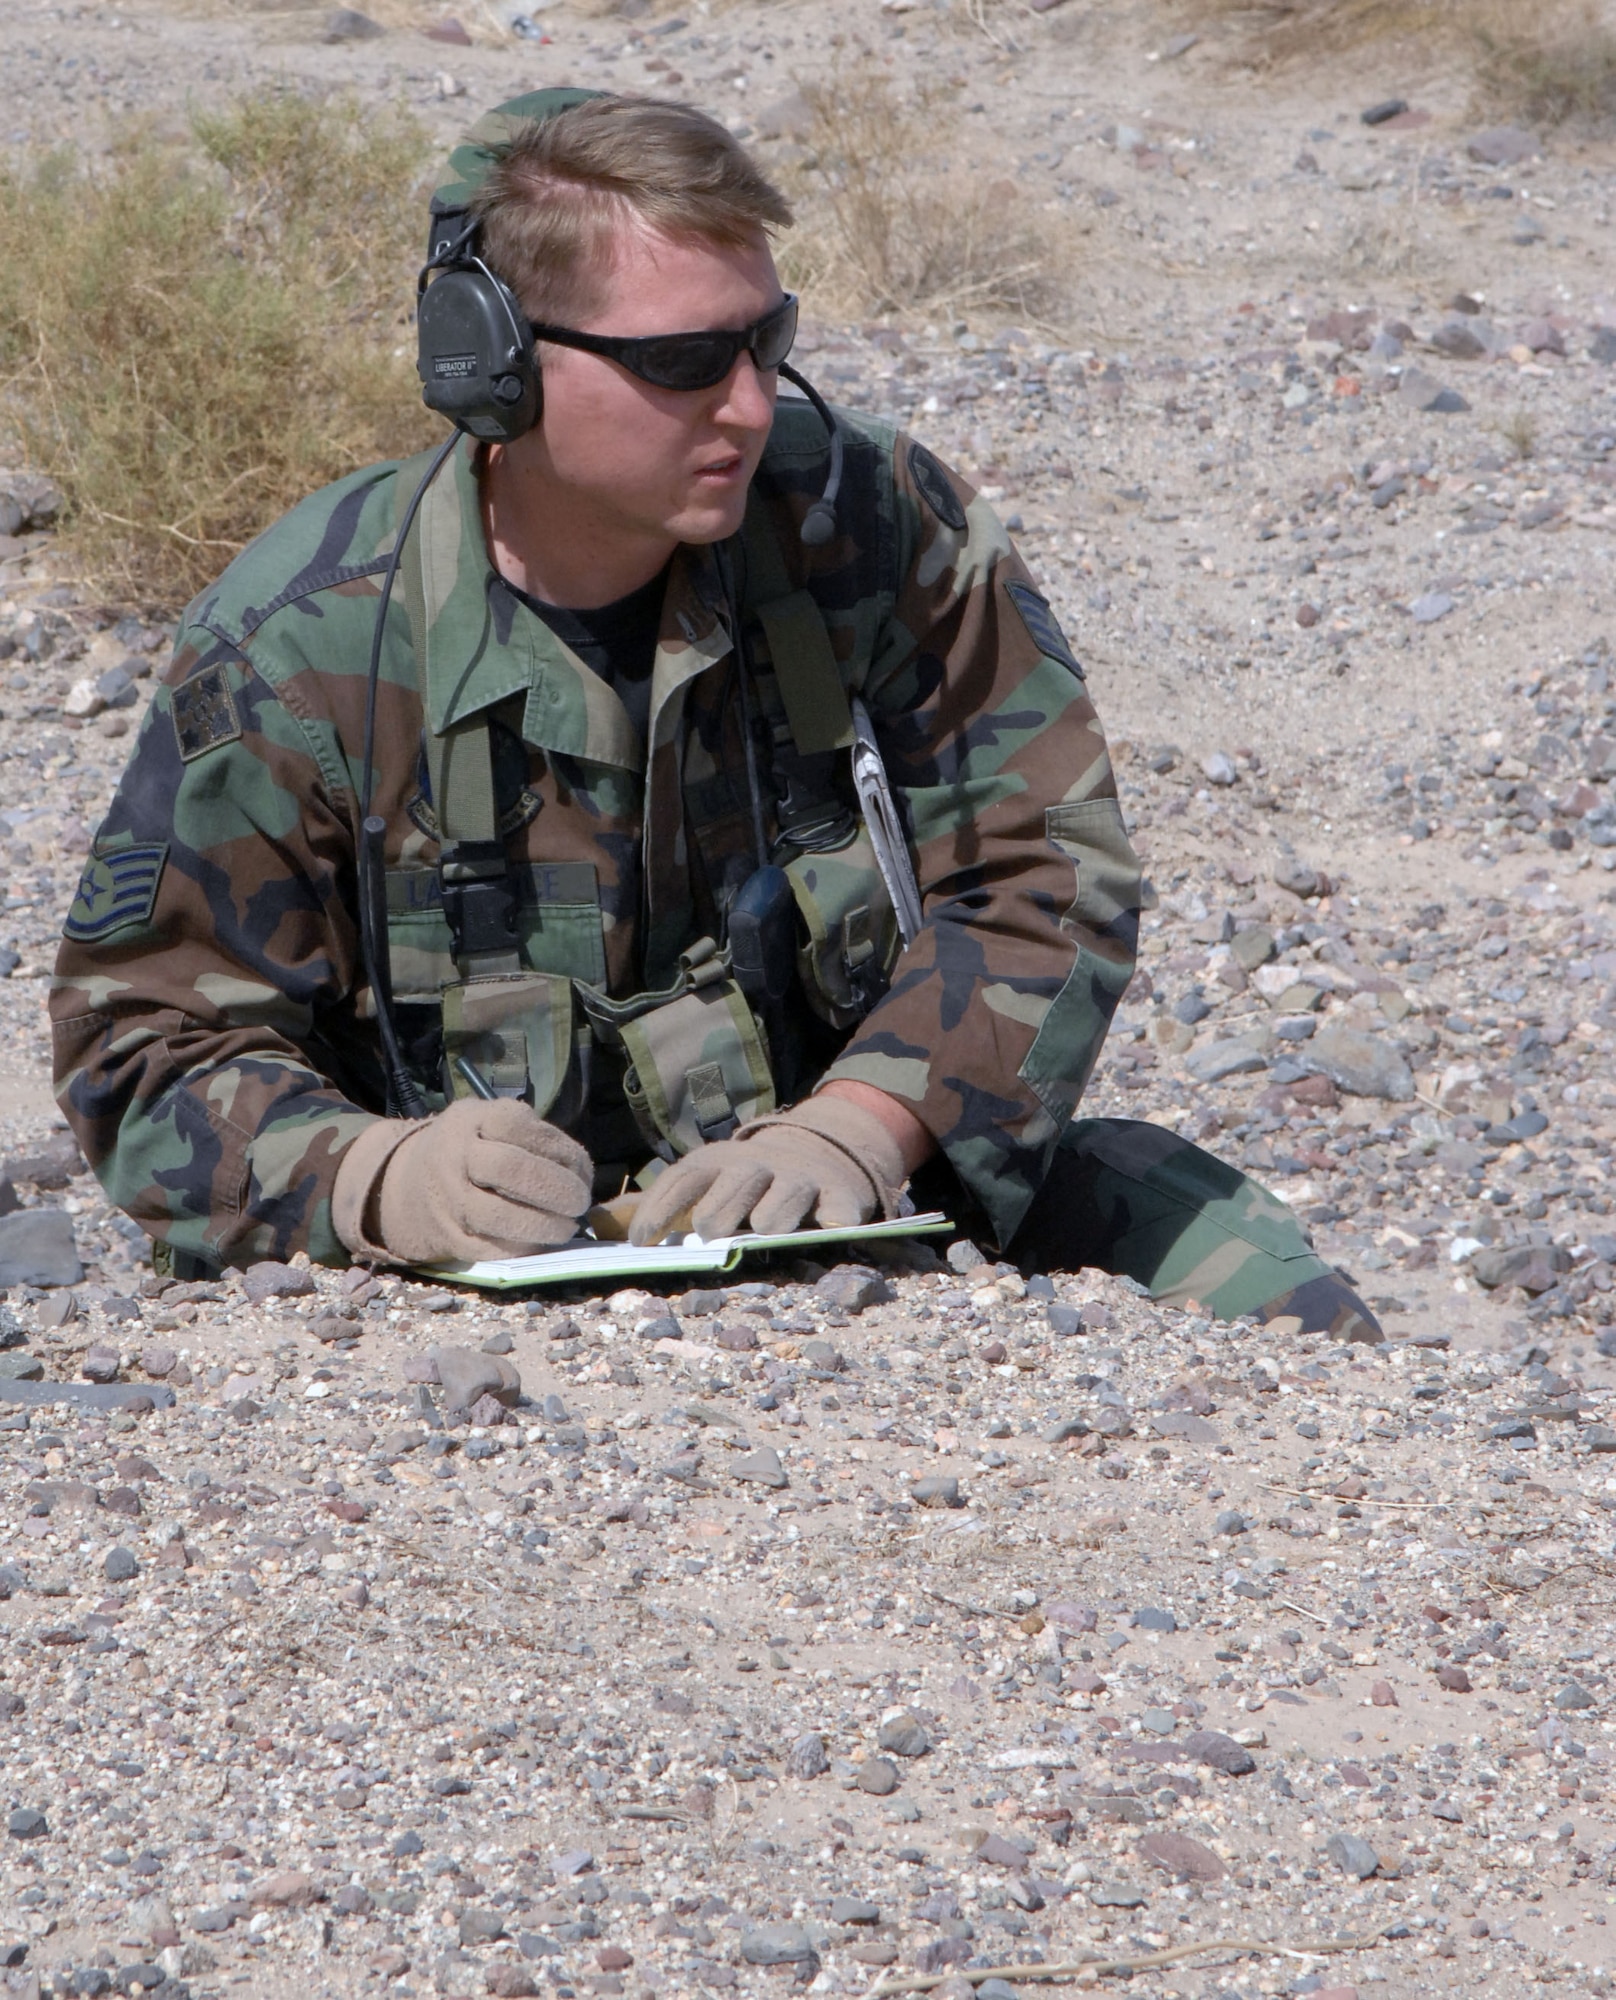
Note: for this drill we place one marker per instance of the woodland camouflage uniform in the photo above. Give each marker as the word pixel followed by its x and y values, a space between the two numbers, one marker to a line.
pixel 214 1034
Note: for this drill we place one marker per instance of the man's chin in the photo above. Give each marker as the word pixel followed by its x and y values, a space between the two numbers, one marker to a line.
pixel 710 520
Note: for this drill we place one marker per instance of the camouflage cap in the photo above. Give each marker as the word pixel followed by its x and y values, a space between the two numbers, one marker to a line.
pixel 472 158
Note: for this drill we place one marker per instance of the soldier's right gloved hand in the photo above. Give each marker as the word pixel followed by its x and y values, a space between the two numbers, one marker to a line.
pixel 483 1178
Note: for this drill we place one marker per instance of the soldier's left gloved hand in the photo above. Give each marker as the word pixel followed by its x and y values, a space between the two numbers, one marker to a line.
pixel 826 1160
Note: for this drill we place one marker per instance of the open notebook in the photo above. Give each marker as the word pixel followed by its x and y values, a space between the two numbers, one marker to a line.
pixel 586 1261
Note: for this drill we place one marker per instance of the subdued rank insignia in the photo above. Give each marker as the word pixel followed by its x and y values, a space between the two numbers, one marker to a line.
pixel 116 892
pixel 1044 626
pixel 932 482
pixel 204 713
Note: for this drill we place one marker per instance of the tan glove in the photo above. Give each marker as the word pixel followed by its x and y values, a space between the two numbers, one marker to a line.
pixel 483 1178
pixel 827 1159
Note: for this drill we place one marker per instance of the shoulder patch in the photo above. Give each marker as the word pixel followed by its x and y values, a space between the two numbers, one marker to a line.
pixel 204 712
pixel 934 488
pixel 116 892
pixel 1044 626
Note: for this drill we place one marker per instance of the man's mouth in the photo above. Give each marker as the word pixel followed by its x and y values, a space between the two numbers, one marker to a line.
pixel 724 468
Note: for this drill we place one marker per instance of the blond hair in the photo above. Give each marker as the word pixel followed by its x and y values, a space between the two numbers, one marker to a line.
pixel 559 192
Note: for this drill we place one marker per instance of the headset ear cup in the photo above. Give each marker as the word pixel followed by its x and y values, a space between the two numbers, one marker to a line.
pixel 475 354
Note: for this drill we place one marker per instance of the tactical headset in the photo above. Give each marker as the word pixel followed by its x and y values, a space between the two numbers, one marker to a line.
pixel 479 367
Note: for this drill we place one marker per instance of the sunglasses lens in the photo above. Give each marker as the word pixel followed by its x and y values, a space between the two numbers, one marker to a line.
pixel 775 336
pixel 686 360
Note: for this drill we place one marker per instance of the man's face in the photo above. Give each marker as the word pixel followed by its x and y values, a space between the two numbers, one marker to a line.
pixel 650 463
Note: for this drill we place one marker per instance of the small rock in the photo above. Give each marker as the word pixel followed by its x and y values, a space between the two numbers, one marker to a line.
pixel 100 1364
pixel 1384 112
pixel 450 31
pixel 1063 1320
pixel 1383 1695
pixel 1218 768
pixel 510 1982
pixel 157 1361
pixel 27 1823
pixel 1453 1678
pixel 15 1367
pixel 1352 1855
pixel 1464 339
pixel 573 1862
pixel 1155 1618
pixel 904 1734
pixel 1573 1696
pixel 487 1412
pixel 1534 1267
pixel 761 1468
pixel 663 1327
pixel 776 1944
pixel 1187 1859
pixel 1224 1059
pixel 270 1280
pixel 806 1758
pixel 1510 1428
pixel 119 1566
pixel 878 1776
pixel 736 1337
pixel 1296 877
pixel 1362 1065
pixel 1213 1748
pixel 1427 609
pixel 937 1489
pixel 1068 1427
pixel 1502 146
pixel 347 24
pixel 467 1375
pixel 1118 1896
pixel 852 1289
pixel 37 1248
pixel 284 1889
pixel 851 1910
pixel 1420 391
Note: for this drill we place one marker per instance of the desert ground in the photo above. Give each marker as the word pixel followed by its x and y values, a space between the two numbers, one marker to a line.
pixel 850 1626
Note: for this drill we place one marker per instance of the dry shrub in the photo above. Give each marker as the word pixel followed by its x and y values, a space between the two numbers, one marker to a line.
pixel 192 338
pixel 1548 64
pixel 889 220
pixel 1553 65
pixel 1282 31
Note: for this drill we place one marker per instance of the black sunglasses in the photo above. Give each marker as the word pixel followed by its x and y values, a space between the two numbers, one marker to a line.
pixel 689 360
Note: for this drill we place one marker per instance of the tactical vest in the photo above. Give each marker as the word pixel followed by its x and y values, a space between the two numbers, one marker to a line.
pixel 509 957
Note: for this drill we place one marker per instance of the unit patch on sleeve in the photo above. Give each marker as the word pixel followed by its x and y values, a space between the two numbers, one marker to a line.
pixel 116 892
pixel 1044 626
pixel 204 713
pixel 934 488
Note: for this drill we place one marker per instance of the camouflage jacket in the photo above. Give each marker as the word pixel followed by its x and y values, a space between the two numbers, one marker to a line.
pixel 215 1047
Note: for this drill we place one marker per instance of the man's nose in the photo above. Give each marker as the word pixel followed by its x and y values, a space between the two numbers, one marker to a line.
pixel 748 395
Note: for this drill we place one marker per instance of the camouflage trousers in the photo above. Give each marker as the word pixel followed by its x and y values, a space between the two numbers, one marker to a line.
pixel 1140 1202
